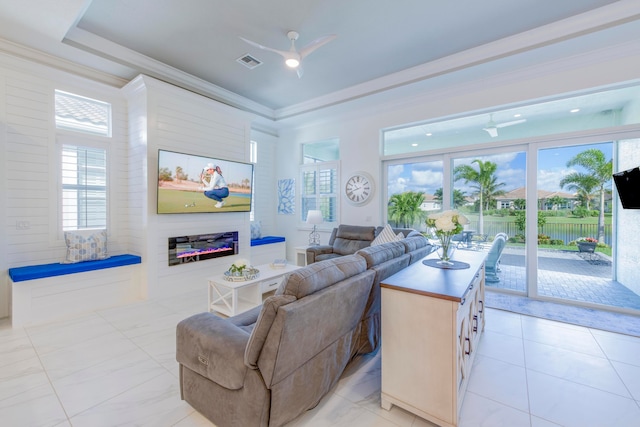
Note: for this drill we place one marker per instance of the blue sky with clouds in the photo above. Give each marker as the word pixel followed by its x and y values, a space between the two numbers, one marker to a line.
pixel 552 167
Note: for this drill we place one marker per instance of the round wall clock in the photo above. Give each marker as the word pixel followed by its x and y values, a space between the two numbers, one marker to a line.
pixel 359 188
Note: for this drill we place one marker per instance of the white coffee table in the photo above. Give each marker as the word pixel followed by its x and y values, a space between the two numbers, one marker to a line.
pixel 231 298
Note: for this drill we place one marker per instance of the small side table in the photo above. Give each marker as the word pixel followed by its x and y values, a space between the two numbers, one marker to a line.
pixel 231 298
pixel 301 255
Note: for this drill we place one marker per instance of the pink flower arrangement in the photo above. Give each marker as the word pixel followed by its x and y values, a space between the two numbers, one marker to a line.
pixel 587 239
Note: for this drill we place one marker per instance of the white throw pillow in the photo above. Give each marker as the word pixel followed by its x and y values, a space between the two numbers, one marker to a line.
pixel 386 235
pixel 256 230
pixel 85 245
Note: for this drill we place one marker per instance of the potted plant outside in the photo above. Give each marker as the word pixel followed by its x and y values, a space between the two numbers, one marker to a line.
pixel 587 244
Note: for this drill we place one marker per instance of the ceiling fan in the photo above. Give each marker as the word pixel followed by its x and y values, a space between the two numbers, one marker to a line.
pixel 492 127
pixel 292 57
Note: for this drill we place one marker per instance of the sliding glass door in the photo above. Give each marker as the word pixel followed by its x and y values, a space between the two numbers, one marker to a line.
pixel 576 243
pixel 490 189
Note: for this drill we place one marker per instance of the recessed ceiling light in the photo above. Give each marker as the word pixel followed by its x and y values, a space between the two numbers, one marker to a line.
pixel 428 134
pixel 517 115
pixel 575 110
pixel 414 144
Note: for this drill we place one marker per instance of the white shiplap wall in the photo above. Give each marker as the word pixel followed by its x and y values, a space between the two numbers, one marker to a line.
pixel 628 223
pixel 265 195
pixel 29 163
pixel 166 117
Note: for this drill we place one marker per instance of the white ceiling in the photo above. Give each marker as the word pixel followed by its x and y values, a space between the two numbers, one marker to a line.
pixel 380 44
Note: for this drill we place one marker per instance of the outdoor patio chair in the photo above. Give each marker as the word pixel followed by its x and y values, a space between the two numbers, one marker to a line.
pixel 479 241
pixel 459 240
pixel 493 259
pixel 432 237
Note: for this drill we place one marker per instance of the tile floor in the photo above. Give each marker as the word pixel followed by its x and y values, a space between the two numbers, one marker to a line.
pixel 116 367
pixel 567 275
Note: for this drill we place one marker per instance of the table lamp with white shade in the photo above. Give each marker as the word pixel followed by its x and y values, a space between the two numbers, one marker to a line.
pixel 314 217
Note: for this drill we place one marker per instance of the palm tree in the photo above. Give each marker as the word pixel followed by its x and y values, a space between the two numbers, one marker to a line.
pixel 584 191
pixel 459 198
pixel 597 175
pixel 555 202
pixel 404 208
pixel 492 191
pixel 483 181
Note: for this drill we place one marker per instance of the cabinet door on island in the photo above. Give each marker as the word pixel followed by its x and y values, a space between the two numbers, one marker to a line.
pixel 426 369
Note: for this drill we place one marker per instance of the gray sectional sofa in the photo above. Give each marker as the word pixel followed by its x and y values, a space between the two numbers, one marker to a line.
pixel 267 366
pixel 348 239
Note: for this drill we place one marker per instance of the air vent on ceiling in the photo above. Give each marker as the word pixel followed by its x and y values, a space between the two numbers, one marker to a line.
pixel 249 61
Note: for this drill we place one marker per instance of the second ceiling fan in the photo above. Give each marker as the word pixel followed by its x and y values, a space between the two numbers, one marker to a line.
pixel 292 57
pixel 492 127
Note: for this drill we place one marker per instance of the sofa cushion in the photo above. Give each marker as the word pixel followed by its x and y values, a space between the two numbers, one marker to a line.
pixel 375 255
pixel 319 275
pixel 350 238
pixel 415 242
pixel 324 257
pixel 259 333
pixel 418 246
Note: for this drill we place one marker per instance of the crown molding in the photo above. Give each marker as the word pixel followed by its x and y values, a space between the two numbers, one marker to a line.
pixel 99 46
pixel 610 16
pixel 42 58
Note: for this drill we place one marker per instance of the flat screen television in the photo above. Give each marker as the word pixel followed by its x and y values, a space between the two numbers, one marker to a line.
pixel 183 181
pixel 628 186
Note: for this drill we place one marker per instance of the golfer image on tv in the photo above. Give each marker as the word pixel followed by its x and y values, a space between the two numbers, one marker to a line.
pixel 215 187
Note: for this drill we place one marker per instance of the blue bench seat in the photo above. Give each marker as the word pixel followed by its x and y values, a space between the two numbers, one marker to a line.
pixel 31 272
pixel 266 240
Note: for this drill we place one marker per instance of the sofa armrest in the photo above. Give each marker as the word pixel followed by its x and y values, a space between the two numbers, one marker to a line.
pixel 214 348
pixel 313 251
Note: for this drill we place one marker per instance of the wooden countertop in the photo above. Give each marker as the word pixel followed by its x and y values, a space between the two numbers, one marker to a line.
pixel 437 282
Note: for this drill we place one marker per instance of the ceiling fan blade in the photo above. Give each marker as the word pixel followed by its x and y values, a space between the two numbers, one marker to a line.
pixel 511 123
pixel 320 41
pixel 492 131
pixel 286 54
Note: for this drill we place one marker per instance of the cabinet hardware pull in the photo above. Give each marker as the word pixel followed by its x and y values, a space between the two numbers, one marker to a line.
pixel 475 323
pixel 468 344
pixel 481 303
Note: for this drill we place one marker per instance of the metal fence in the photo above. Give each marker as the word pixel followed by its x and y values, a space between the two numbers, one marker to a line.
pixel 564 232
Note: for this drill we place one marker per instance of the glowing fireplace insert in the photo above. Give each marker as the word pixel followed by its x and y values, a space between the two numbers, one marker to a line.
pixel 199 247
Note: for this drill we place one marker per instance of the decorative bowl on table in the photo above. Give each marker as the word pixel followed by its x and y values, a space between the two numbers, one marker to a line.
pixel 249 273
pixel 278 263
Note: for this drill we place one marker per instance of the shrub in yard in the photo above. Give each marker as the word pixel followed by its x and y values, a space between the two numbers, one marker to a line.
pixel 518 238
pixel 581 212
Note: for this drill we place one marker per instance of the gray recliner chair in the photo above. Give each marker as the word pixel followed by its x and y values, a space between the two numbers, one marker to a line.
pixel 493 259
pixel 344 240
pixel 267 366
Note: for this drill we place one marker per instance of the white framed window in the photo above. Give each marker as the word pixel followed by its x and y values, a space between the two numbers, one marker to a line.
pixel 320 180
pixel 320 190
pixel 253 158
pixel 81 114
pixel 83 178
pixel 82 125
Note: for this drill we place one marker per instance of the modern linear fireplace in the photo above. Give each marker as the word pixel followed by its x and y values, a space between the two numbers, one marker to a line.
pixel 199 247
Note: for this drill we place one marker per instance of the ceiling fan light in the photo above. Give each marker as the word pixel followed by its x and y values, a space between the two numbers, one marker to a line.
pixel 292 63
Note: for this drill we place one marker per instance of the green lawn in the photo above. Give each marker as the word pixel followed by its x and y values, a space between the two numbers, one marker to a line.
pixel 550 219
pixel 606 251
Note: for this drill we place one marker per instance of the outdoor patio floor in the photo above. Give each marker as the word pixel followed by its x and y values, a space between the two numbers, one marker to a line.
pixel 567 275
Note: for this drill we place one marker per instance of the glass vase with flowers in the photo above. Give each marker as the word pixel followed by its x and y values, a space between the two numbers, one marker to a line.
pixel 446 225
